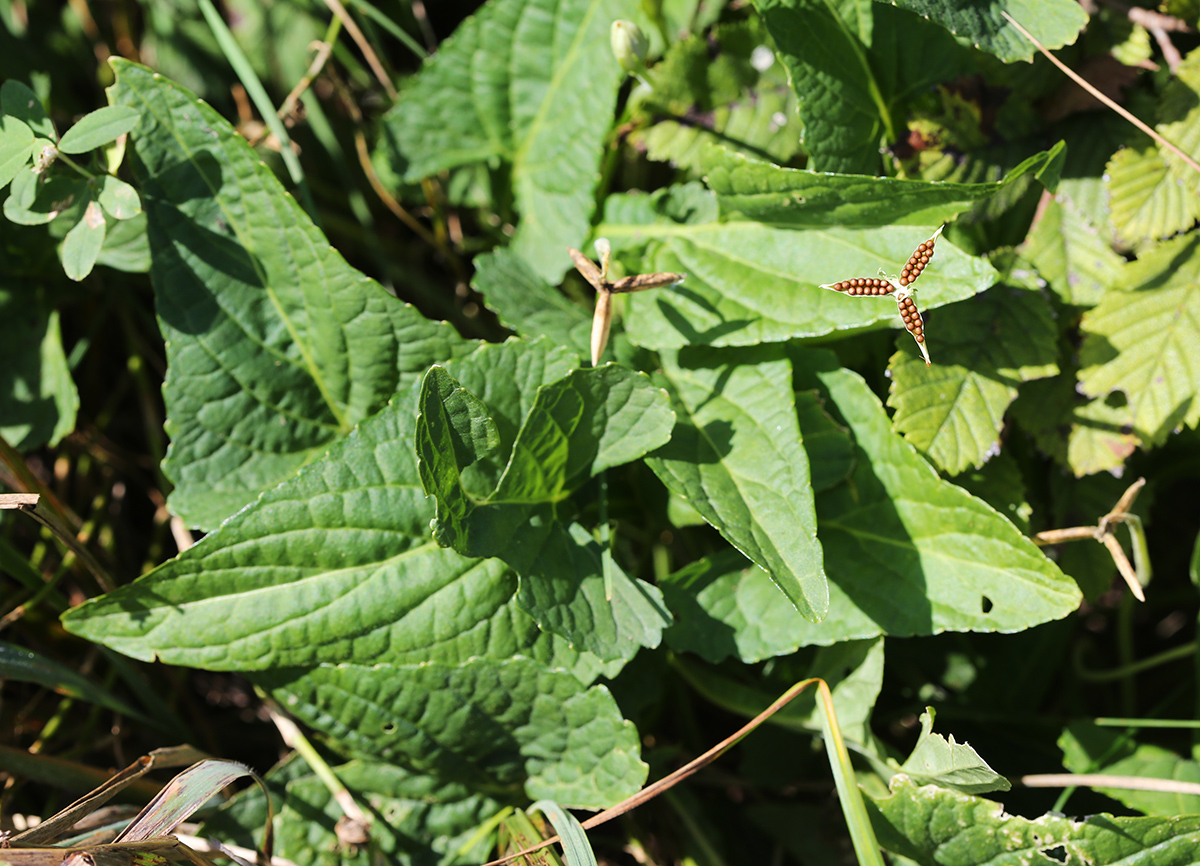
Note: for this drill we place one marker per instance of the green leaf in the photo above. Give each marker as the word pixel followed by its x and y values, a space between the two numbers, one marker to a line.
pixel 577 426
pixel 1148 199
pixel 936 760
pixel 276 347
pixel 428 820
pixel 737 458
pixel 38 399
pixel 828 444
pixel 18 101
pixel 1071 256
pixel 751 283
pixel 98 128
pixel 1145 340
pixel 1091 749
pixel 126 246
pixel 954 410
pixel 577 850
pixel 21 665
pixel 531 83
pixel 751 189
pixel 854 67
pixel 527 304
pixel 708 89
pixel 725 609
pixel 37 199
pixel 493 724
pixel 82 244
pixel 908 553
pixel 15 141
pixel 118 198
pixel 1194 565
pixel 931 825
pixel 334 565
pixel 842 102
pixel 1054 23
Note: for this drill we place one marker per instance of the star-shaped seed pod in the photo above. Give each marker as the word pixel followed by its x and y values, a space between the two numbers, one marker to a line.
pixel 605 288
pixel 901 287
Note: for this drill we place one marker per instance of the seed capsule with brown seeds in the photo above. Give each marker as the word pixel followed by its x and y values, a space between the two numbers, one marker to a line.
pixel 913 268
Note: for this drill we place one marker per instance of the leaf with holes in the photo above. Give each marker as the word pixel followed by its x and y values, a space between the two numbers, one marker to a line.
pixel 909 553
pixel 1145 340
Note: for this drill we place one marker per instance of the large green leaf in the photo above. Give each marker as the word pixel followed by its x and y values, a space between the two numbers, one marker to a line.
pixel 1091 749
pixel 576 427
pixel 954 410
pixel 909 553
pixel 749 283
pixel 709 89
pixel 427 820
pixel 751 189
pixel 737 458
pixel 825 49
pixel 276 347
pixel 1071 256
pixel 334 565
pixel 724 608
pixel 1054 23
pixel 1145 340
pixel 496 725
pixel 38 399
pixel 532 83
pixel 527 304
pixel 852 64
pixel 931 825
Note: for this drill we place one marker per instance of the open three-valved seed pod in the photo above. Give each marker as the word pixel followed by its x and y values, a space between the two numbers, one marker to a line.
pixel 901 287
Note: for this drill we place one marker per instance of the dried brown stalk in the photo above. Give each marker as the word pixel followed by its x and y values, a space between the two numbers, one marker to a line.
pixel 1103 532
pixel 605 289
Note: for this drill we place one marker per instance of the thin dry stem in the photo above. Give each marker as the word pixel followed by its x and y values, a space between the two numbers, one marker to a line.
pixel 1103 533
pixel 1070 73
pixel 1100 780
pixel 669 781
pixel 324 50
pixel 364 46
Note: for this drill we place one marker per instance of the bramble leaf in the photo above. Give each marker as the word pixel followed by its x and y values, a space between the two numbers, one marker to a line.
pixel 1145 340
pixel 954 410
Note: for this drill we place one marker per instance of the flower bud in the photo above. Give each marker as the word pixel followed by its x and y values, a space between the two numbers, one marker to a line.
pixel 628 44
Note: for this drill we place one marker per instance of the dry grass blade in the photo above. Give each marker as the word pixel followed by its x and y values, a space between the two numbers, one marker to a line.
pixel 182 796
pixel 58 825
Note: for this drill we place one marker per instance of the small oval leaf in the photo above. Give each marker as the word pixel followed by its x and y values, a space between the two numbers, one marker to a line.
pixel 98 128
